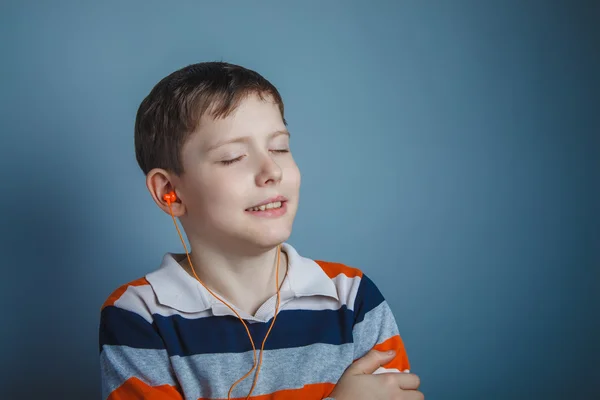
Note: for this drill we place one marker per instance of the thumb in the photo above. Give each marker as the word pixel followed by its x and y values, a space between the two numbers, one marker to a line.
pixel 370 362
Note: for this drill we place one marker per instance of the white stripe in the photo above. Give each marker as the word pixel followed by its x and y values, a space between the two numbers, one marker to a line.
pixel 142 301
pixel 312 303
pixel 347 288
pixel 382 370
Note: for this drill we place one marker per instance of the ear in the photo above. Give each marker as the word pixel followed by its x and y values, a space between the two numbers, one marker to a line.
pixel 160 182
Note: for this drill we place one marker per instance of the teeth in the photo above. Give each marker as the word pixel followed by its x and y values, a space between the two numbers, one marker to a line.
pixel 264 207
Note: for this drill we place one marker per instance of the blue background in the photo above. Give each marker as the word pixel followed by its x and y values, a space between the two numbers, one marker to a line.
pixel 450 149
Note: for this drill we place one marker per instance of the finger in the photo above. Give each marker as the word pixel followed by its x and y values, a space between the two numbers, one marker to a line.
pixel 403 381
pixel 408 381
pixel 370 362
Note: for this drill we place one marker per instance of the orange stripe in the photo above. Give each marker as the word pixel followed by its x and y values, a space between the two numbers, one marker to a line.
pixel 400 362
pixel 312 391
pixel 116 295
pixel 134 389
pixel 334 269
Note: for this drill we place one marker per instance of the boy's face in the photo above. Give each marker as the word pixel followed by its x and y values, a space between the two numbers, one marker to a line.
pixel 234 165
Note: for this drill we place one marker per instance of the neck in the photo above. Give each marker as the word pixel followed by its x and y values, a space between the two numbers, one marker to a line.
pixel 245 281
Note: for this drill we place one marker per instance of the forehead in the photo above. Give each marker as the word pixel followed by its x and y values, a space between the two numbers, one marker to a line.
pixel 253 116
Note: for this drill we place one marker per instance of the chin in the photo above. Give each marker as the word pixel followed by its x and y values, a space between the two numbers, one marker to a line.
pixel 267 238
pixel 259 235
pixel 270 240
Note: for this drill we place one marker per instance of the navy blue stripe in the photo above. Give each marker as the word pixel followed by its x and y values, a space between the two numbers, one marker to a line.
pixel 225 334
pixel 368 297
pixel 122 327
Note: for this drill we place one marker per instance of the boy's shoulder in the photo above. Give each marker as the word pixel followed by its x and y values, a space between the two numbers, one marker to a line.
pixel 352 280
pixel 353 287
pixel 336 269
pixel 130 295
pixel 146 295
pixel 322 277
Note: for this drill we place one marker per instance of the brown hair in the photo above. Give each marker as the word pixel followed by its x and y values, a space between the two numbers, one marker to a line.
pixel 173 108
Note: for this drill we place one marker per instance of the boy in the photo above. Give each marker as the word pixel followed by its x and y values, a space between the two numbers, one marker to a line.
pixel 212 141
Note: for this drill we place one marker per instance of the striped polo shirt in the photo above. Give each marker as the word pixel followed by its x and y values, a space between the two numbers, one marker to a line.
pixel 165 336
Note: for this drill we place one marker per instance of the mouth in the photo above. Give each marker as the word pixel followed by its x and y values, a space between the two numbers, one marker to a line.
pixel 272 204
pixel 268 206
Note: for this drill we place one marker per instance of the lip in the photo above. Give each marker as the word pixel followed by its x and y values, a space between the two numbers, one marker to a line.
pixel 269 200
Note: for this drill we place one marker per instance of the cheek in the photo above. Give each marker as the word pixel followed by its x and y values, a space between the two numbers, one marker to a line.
pixel 292 175
pixel 223 191
pixel 206 192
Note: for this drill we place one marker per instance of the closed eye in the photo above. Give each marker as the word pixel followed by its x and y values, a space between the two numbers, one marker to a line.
pixel 229 162
pixel 281 151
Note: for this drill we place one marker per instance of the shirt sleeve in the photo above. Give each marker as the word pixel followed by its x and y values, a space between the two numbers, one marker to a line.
pixel 134 363
pixel 375 327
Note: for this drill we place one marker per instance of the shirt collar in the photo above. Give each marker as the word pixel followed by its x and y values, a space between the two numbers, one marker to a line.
pixel 175 288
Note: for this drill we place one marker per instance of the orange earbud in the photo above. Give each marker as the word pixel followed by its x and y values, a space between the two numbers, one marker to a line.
pixel 170 197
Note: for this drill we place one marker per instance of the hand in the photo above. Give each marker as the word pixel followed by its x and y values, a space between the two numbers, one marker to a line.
pixel 359 383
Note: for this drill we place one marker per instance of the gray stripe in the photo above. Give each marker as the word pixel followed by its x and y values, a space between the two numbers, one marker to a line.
pixel 211 375
pixel 119 363
pixel 378 325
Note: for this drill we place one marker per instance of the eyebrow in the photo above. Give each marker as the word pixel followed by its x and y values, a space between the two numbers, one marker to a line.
pixel 244 139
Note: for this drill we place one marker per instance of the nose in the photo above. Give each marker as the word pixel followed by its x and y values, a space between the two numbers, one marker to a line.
pixel 270 172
